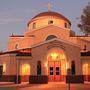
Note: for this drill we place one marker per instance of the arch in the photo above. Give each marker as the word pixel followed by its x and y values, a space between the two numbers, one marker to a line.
pixel 56 53
pixel 57 64
pixel 50 37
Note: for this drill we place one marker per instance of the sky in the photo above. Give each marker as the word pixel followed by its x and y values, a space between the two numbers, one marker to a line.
pixel 15 14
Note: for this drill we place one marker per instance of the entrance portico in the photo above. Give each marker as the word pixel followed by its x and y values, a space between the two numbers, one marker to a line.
pixel 57 65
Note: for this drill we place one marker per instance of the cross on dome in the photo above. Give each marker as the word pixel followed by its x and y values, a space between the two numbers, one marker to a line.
pixel 49 6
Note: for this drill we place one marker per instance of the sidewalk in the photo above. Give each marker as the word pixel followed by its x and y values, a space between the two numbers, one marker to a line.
pixel 6 83
pixel 57 86
pixel 12 84
pixel 49 86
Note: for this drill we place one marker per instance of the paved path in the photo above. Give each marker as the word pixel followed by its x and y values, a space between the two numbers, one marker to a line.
pixel 57 86
pixel 6 83
pixel 49 86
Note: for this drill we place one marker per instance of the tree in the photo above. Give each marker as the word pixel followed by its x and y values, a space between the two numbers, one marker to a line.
pixel 84 25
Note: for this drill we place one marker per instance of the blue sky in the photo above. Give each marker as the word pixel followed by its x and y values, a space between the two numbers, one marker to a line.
pixel 15 14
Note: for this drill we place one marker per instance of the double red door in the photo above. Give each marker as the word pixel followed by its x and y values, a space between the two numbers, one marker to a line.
pixel 54 71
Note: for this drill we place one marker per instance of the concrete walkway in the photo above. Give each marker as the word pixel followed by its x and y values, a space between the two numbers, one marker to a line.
pixel 6 83
pixel 49 86
pixel 57 86
pixel 12 86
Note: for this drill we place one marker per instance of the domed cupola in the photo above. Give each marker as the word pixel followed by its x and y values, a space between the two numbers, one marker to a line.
pixel 47 18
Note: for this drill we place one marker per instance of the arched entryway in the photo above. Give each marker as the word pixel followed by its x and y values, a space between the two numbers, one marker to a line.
pixel 57 65
pixel 25 72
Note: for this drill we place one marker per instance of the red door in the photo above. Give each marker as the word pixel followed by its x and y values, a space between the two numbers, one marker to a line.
pixel 51 71
pixel 57 71
pixel 54 71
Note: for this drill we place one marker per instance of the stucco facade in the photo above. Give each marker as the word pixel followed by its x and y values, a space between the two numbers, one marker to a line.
pixel 46 52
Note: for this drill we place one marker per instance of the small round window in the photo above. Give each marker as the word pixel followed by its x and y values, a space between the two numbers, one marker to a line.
pixel 50 22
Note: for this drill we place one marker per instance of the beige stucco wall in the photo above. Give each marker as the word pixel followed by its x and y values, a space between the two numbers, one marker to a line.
pixel 39 52
pixel 43 21
pixel 13 64
pixel 43 30
pixel 22 43
pixel 81 41
pixel 86 65
pixel 22 60
pixel 42 33
pixel 9 60
pixel 72 53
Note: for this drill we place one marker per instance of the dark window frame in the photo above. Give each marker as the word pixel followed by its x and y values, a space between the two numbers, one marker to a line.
pixel 57 73
pixel 39 68
pixel 85 47
pixel 1 70
pixel 65 25
pixel 73 68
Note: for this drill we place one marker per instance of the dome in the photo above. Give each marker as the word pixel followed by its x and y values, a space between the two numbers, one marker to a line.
pixel 49 13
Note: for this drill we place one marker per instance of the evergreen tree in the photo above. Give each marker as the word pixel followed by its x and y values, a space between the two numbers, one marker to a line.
pixel 85 21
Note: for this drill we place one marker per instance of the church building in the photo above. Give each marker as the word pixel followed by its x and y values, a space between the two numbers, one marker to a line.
pixel 49 51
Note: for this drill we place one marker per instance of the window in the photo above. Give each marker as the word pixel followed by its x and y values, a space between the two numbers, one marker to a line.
pixel 51 73
pixel 51 70
pixel 50 37
pixel 1 70
pixel 34 25
pixel 39 68
pixel 50 22
pixel 57 68
pixel 84 47
pixel 57 71
pixel 73 67
pixel 16 46
pixel 65 25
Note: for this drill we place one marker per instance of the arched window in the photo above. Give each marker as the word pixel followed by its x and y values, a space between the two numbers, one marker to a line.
pixel 39 68
pixel 65 25
pixel 50 37
pixel 34 25
pixel 73 67
pixel 84 47
pixel 16 46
